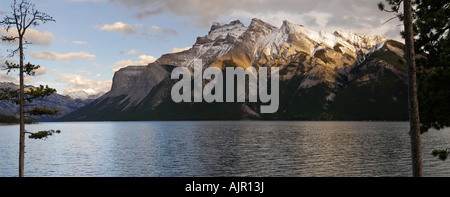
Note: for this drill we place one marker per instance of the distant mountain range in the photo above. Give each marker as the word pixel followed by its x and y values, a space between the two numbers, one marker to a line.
pixel 66 104
pixel 323 76
pixel 82 95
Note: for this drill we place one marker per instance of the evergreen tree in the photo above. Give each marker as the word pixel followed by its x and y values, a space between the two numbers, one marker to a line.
pixel 413 105
pixel 23 16
pixel 432 46
pixel 432 28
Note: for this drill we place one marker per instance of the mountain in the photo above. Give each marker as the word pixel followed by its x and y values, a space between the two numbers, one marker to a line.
pixel 323 76
pixel 83 95
pixel 65 103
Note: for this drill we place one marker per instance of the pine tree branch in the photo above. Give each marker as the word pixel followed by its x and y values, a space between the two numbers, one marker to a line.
pixel 42 134
pixel 38 111
pixel 441 154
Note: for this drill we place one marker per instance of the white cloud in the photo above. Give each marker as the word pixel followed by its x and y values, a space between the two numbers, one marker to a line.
pixel 31 35
pixel 119 27
pixel 138 29
pixel 132 52
pixel 80 42
pixel 177 50
pixel 48 55
pixel 77 82
pixel 146 59
pixel 143 60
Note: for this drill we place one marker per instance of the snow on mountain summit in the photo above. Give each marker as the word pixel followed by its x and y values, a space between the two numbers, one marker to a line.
pixel 262 38
pixel 83 95
pixel 260 45
pixel 322 74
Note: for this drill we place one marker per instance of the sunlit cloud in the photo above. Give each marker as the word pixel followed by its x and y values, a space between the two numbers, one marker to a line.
pixel 143 60
pixel 177 50
pixel 76 82
pixel 80 42
pixel 32 36
pixel 48 55
pixel 138 29
pixel 9 78
pixel 351 15
pixel 119 27
pixel 132 52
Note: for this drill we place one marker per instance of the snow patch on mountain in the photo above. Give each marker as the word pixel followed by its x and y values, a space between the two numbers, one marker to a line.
pixel 83 95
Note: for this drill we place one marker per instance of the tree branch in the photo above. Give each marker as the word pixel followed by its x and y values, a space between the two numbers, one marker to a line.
pixel 389 20
pixel 395 5
pixel 9 38
pixel 42 134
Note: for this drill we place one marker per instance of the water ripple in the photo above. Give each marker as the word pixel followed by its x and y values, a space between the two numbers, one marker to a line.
pixel 223 148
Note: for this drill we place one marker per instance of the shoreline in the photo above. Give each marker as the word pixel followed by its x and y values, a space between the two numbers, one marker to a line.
pixel 7 124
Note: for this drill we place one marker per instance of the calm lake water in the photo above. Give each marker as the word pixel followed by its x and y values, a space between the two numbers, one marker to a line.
pixel 221 148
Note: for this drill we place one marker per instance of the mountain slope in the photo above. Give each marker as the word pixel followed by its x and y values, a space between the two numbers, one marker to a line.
pixel 64 103
pixel 323 76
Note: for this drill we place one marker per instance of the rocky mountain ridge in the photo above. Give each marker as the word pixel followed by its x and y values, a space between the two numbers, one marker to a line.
pixel 317 70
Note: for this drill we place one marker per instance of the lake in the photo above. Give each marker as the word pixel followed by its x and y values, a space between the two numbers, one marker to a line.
pixel 220 148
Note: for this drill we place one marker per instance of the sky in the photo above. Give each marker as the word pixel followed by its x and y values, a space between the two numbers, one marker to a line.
pixel 91 39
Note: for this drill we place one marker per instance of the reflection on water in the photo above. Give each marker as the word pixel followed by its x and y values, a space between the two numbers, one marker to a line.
pixel 221 148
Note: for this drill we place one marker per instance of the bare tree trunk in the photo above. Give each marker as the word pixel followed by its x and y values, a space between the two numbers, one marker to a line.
pixel 416 147
pixel 22 115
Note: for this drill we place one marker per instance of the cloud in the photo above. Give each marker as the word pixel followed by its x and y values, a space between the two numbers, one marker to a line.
pixel 352 15
pixel 132 52
pixel 84 71
pixel 119 27
pixel 146 59
pixel 204 12
pixel 96 65
pixel 143 60
pixel 80 42
pixel 148 31
pixel 177 50
pixel 9 78
pixel 167 31
pixel 47 55
pixel 31 35
pixel 76 82
pixel 13 76
pixel 40 71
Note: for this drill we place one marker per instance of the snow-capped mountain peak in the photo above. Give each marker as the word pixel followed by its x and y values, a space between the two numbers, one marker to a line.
pixel 83 95
pixel 221 30
pixel 319 70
